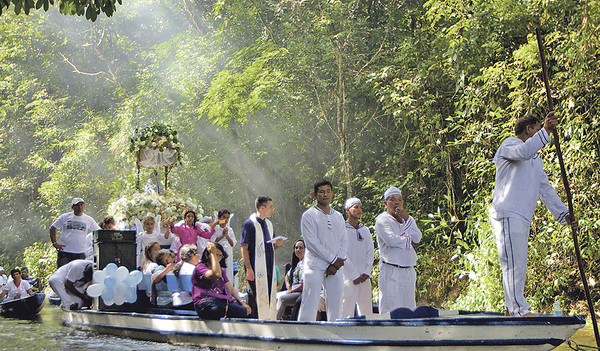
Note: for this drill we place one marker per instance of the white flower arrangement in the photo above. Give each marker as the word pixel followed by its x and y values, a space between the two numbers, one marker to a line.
pixel 141 205
pixel 157 136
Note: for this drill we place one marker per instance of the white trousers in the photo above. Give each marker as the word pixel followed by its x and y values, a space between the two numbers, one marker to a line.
pixel 58 285
pixel 356 295
pixel 311 291
pixel 512 235
pixel 396 288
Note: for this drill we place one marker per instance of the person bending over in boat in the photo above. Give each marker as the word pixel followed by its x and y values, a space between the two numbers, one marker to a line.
pixel 326 247
pixel 182 300
pixel 17 288
pixel 357 268
pixel 520 181
pixel 397 236
pixel 70 282
pixel 165 260
pixel 214 296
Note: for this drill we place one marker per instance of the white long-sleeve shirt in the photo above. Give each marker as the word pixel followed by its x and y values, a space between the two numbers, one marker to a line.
pixel 395 240
pixel 324 237
pixel 361 252
pixel 521 180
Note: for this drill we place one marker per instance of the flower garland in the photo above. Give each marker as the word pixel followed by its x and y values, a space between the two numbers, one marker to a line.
pixel 157 136
pixel 141 205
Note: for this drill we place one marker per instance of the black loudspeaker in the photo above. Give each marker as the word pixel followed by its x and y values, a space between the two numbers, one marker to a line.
pixel 118 248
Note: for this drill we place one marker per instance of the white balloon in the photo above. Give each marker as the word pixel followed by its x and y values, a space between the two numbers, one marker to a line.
pixel 134 278
pixel 108 296
pixel 99 277
pixel 131 295
pixel 122 273
pixel 120 290
pixel 119 299
pixel 95 290
pixel 111 270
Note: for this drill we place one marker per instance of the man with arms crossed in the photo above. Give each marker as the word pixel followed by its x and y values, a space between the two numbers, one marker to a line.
pixel 520 181
pixel 323 229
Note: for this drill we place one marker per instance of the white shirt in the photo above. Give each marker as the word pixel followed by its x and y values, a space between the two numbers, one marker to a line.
pixel 15 292
pixel 521 180
pixel 73 272
pixel 360 252
pixel 394 239
pixel 224 242
pixel 181 298
pixel 73 231
pixel 324 236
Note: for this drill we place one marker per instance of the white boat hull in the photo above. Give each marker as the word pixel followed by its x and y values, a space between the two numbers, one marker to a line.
pixel 458 332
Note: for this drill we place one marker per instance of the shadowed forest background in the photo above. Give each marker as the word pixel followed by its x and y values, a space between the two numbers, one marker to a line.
pixel 270 96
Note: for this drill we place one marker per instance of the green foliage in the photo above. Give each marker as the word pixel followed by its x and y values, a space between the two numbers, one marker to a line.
pixel 271 96
pixel 91 9
pixel 40 258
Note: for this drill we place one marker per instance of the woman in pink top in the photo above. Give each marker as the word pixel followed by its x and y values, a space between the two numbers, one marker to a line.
pixel 189 231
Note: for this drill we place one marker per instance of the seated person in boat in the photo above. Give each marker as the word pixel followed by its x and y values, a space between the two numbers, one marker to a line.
pixel 70 282
pixel 3 278
pixel 397 236
pixel 182 300
pixel 214 296
pixel 357 268
pixel 150 230
pixel 293 280
pixel 165 261
pixel 17 288
pixel 33 282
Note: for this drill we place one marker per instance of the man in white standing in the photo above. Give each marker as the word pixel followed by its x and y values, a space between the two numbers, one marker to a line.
pixel 323 229
pixel 357 268
pixel 397 235
pixel 520 181
pixel 74 227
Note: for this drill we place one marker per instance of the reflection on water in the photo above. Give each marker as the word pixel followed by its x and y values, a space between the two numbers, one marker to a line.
pixel 584 336
pixel 46 332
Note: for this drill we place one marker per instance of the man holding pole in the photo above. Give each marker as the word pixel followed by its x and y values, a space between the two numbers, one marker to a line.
pixel 520 181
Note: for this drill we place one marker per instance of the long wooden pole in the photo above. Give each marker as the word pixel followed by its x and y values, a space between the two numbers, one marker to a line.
pixel 567 189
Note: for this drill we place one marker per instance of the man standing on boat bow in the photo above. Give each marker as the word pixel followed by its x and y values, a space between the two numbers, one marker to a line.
pixel 259 259
pixel 520 181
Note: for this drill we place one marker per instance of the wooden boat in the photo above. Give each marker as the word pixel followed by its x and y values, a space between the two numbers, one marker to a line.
pixel 451 330
pixel 25 307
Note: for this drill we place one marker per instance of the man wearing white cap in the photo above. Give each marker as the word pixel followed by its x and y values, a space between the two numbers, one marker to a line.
pixel 326 246
pixel 397 234
pixel 359 261
pixel 74 227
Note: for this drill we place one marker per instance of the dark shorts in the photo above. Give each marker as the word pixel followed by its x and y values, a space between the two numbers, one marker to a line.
pixel 216 309
pixel 66 257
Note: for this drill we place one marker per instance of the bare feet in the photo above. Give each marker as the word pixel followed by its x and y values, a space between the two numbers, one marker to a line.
pixel 530 314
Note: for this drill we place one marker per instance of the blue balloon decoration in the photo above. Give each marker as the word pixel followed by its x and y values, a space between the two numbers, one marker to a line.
pixel 110 282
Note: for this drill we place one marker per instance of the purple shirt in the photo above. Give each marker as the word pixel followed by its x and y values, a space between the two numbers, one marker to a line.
pixel 204 288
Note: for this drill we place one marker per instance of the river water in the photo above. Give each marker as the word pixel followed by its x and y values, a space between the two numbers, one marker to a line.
pixel 46 332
